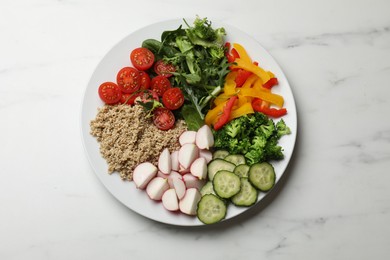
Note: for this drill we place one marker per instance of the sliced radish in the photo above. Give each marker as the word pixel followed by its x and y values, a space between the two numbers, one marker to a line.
pixel 143 173
pixel 165 161
pixel 199 168
pixel 193 182
pixel 157 187
pixel 187 155
pixel 180 187
pixel 187 137
pixel 183 171
pixel 170 200
pixel 175 160
pixel 206 154
pixel 173 175
pixel 163 175
pixel 189 203
pixel 204 137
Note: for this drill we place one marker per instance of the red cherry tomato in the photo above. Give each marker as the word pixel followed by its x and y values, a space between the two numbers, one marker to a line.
pixel 173 98
pixel 163 118
pixel 142 58
pixel 129 80
pixel 145 80
pixel 160 84
pixel 164 69
pixel 109 92
pixel 147 95
pixel 128 98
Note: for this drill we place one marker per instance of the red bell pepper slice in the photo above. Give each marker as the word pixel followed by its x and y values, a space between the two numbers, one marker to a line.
pixel 257 105
pixel 270 83
pixel 227 110
pixel 232 54
pixel 242 76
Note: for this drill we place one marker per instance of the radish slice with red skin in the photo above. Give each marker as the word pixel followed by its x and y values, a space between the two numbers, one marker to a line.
pixel 189 203
pixel 187 155
pixel 143 174
pixel 206 154
pixel 199 168
pixel 165 161
pixel 157 187
pixel 187 137
pixel 204 137
pixel 193 182
pixel 175 160
pixel 170 200
pixel 179 187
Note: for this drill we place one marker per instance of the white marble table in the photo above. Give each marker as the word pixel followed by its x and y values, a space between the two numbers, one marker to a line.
pixel 335 203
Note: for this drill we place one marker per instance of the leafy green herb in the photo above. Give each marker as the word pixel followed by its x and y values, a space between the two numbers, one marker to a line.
pixel 201 66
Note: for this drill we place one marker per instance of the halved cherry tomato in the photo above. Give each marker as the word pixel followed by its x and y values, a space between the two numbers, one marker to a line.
pixel 163 118
pixel 160 84
pixel 145 80
pixel 173 98
pixel 142 58
pixel 129 80
pixel 147 95
pixel 164 69
pixel 109 92
pixel 128 98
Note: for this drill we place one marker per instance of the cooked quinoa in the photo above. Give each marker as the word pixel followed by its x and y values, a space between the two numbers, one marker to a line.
pixel 127 138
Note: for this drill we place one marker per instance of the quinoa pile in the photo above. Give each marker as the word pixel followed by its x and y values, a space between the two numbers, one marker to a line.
pixel 127 138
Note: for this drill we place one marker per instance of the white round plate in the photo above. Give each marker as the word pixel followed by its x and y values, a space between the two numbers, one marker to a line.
pixel 118 57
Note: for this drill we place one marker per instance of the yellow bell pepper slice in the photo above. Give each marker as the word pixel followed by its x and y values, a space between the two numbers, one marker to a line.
pixel 242 52
pixel 230 84
pixel 221 98
pixel 213 114
pixel 250 81
pixel 264 95
pixel 241 111
pixel 248 66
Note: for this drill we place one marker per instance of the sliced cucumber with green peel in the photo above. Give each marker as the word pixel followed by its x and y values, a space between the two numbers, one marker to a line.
pixel 262 176
pixel 221 154
pixel 211 209
pixel 207 189
pixel 247 195
pixel 236 159
pixel 217 165
pixel 242 170
pixel 226 184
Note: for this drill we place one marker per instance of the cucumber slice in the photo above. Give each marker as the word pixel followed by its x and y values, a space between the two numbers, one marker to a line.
pixel 207 189
pixel 211 209
pixel 226 184
pixel 242 170
pixel 262 176
pixel 236 159
pixel 218 165
pixel 247 195
pixel 221 154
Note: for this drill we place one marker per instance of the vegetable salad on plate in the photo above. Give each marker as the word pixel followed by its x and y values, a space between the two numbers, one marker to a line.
pixel 234 119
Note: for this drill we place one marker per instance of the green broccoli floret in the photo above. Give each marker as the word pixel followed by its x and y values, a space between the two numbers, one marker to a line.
pixel 233 128
pixel 266 129
pixel 272 150
pixel 282 128
pixel 254 156
pixel 243 146
pixel 258 142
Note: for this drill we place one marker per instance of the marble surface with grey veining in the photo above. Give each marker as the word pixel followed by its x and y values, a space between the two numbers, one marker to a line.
pixel 335 202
